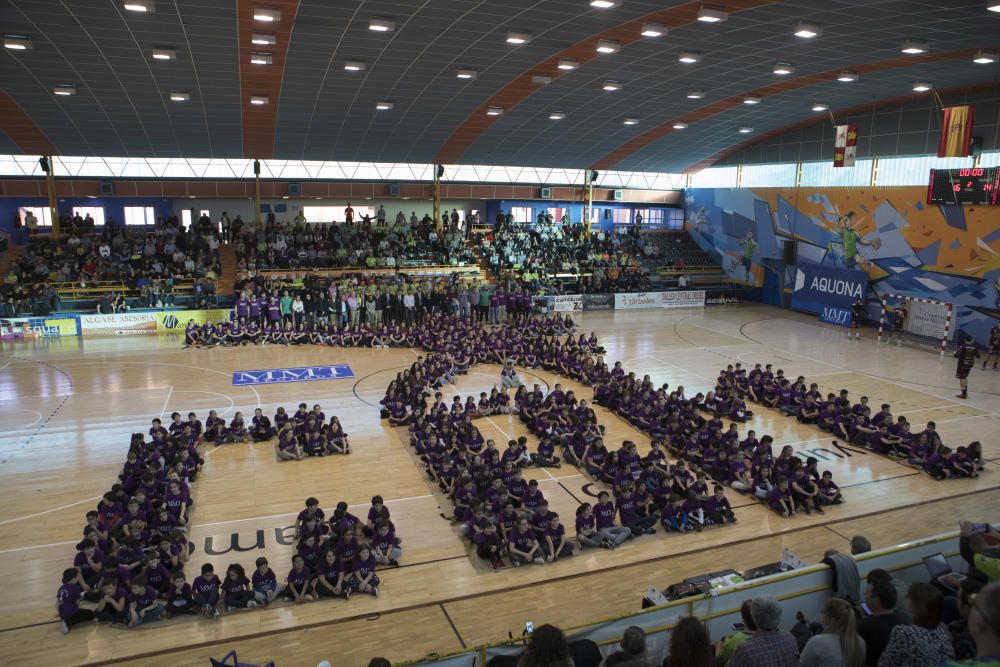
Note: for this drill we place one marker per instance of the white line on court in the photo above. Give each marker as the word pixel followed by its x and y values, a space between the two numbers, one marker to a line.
pixel 49 511
pixel 497 427
pixel 166 401
pixel 6 365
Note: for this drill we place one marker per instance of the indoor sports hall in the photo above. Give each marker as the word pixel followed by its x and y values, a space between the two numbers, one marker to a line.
pixel 458 333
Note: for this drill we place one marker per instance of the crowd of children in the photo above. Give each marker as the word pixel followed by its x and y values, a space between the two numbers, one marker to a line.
pixel 501 513
pixel 846 420
pixel 131 559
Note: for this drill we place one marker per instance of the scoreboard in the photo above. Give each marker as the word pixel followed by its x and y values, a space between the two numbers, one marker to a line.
pixel 968 185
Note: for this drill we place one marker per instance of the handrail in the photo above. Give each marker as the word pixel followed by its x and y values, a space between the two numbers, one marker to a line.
pixel 366 270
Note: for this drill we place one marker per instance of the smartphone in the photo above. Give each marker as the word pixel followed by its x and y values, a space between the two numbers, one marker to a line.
pixel 738 627
pixel 979 527
pixel 865 608
pixel 529 627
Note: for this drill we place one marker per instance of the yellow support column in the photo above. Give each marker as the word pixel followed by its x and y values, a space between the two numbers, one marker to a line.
pixel 50 186
pixel 437 196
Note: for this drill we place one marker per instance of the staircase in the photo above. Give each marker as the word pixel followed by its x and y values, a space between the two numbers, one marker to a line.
pixel 227 260
pixel 484 267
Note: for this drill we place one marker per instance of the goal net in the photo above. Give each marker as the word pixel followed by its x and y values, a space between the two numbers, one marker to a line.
pixel 925 322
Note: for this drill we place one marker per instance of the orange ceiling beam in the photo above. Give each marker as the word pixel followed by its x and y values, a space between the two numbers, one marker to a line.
pixel 259 122
pixel 16 124
pixel 736 101
pixel 520 88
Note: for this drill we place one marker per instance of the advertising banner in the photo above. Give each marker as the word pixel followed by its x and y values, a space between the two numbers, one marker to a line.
pixel 818 287
pixel 835 315
pixel 685 299
pixel 723 299
pixel 119 323
pixel 598 301
pixel 176 320
pixel 567 302
pixel 635 300
pixel 926 319
pixel 38 327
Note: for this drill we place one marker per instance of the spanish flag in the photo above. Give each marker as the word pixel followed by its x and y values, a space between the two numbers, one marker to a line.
pixel 956 131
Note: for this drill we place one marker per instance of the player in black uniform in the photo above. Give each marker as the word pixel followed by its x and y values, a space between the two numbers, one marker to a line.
pixel 966 355
pixel 992 347
pixel 857 314
pixel 898 321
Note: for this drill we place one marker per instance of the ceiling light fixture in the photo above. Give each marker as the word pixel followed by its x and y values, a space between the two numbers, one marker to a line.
pixel 557 115
pixel 848 76
pixel 746 129
pixel 164 53
pixel 17 42
pixel 608 46
pixel 384 105
pixel 913 46
pixel 783 69
pixel 64 90
pixel 568 63
pixel 611 85
pixel 922 86
pixel 180 96
pixel 354 65
pixel 261 59
pixel 993 6
pixel 631 121
pixel 807 30
pixel 518 38
pixel 695 94
pixel 689 57
pixel 819 106
pixel 138 5
pixel 751 99
pixel 709 15
pixel 494 111
pixel 679 125
pixel 605 4
pixel 259 100
pixel 381 24
pixel 985 57
pixel 465 73
pixel 650 29
pixel 266 14
pixel 263 38
pixel 541 79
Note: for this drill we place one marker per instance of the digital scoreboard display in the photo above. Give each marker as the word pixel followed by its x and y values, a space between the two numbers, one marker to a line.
pixel 969 185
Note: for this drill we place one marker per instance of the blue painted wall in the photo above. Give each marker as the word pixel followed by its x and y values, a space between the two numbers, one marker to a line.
pixel 114 207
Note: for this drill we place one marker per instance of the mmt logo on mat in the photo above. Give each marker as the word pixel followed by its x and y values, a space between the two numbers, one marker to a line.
pixel 300 374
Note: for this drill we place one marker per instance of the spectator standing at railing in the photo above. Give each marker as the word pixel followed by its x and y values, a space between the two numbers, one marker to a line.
pixel 925 642
pixel 984 626
pixel 769 647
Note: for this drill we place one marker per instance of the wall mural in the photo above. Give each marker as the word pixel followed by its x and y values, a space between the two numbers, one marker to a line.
pixel 949 253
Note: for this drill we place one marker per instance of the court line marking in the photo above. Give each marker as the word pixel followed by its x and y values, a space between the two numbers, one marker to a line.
pixel 23 428
pixel 166 400
pixel 6 365
pixel 232 403
pixel 48 511
pixel 958 419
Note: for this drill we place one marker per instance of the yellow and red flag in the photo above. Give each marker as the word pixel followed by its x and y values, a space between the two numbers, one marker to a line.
pixel 845 146
pixel 956 131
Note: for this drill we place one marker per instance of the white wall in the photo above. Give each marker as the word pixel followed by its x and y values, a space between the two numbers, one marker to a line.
pixel 245 207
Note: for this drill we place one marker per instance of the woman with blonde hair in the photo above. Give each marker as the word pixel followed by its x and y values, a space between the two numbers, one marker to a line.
pixel 839 644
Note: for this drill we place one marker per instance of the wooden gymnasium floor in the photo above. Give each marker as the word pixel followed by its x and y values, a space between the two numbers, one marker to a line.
pixel 67 407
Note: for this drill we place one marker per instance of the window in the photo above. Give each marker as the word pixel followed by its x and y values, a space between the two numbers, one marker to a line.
pixel 143 216
pixel 95 212
pixel 186 218
pixel 43 215
pixel 323 213
pixel 651 217
pixel 523 214
pixel 557 214
pixel 621 216
pixel 204 212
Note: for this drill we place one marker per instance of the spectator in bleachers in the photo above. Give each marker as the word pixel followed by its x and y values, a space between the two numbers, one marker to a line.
pixel 925 642
pixel 880 597
pixel 961 635
pixel 724 649
pixel 839 644
pixel 547 647
pixel 632 647
pixel 984 626
pixel 769 647
pixel 689 645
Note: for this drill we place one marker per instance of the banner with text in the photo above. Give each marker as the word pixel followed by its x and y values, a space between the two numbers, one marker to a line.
pixel 567 302
pixel 685 299
pixel 634 300
pixel 119 323
pixel 299 374
pixel 926 319
pixel 598 301
pixel 38 327
pixel 818 287
pixel 177 320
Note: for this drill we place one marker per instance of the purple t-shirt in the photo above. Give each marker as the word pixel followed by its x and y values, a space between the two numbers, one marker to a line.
pixel 299 578
pixel 264 580
pixel 68 598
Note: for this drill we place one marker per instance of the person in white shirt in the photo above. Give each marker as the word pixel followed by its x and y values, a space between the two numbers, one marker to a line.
pixel 380 215
pixel 300 218
pixel 683 281
pixel 413 219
